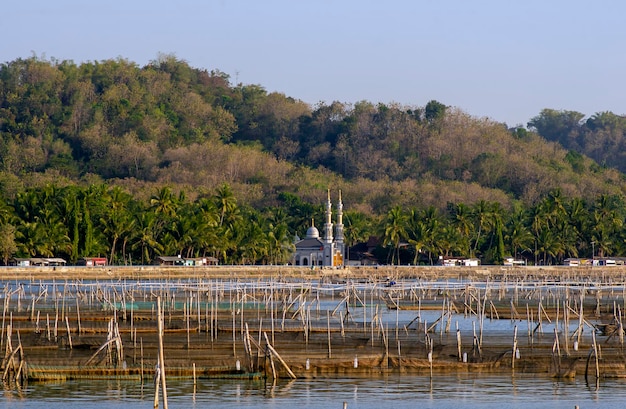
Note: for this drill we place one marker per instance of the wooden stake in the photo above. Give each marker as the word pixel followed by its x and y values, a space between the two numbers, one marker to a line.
pixel 69 336
pixel 161 353
pixel 328 327
pixel 273 352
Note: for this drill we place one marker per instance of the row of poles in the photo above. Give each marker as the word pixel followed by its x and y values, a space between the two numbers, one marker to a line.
pixel 286 302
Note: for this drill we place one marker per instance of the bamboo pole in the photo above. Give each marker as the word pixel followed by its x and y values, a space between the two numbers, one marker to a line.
pixel 161 353
pixel 330 355
pixel 80 330
pixel 514 352
pixel 69 335
pixel 458 342
pixel 273 352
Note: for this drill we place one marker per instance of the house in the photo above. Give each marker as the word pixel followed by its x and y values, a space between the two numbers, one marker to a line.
pixel 183 261
pixel 19 262
pixel 608 261
pixel 38 262
pixel 361 254
pixel 201 261
pixel 510 261
pixel 453 262
pixel 170 261
pixel 92 261
pixel 576 262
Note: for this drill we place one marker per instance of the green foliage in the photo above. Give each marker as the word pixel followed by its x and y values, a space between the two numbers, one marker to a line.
pixel 109 158
pixel 576 160
pixel 602 136
pixel 434 111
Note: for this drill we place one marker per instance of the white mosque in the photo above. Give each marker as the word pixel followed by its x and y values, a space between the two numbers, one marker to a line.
pixel 327 251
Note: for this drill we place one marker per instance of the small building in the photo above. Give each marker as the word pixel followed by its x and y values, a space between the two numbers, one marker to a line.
pixel 183 261
pixel 92 261
pixel 38 262
pixel 575 262
pixel 454 262
pixel 201 261
pixel 607 261
pixel 170 261
pixel 19 262
pixel 361 254
pixel 510 261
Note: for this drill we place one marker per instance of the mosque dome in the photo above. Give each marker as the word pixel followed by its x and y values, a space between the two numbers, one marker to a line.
pixel 312 232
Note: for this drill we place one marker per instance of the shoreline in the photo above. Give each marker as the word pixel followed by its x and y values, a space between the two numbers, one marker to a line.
pixel 480 273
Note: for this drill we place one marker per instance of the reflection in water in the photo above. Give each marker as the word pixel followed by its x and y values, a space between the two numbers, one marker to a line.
pixel 467 390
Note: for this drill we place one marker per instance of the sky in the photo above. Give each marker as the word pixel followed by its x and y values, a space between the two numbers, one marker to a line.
pixel 505 60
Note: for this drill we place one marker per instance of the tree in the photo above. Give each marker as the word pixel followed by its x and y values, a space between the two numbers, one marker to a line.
pixel 481 214
pixel 559 126
pixel 461 219
pixel 118 222
pixel 517 233
pixel 548 245
pixel 608 220
pixel 434 111
pixel 394 231
pixel 144 239
pixel 8 246
pixel 432 221
pixel 417 234
pixel 226 202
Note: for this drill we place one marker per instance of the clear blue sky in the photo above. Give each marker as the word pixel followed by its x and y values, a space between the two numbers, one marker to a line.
pixel 502 59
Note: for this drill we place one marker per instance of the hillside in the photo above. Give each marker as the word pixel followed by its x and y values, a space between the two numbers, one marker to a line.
pixel 601 136
pixel 112 159
pixel 169 124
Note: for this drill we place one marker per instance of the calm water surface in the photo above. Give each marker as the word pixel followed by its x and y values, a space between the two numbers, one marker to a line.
pixel 467 391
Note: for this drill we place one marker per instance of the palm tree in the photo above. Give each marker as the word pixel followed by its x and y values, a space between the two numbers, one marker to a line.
pixel 30 238
pixel 448 240
pixel 495 248
pixel 578 216
pixel 279 241
pixel 118 222
pixel 144 238
pixel 608 219
pixel 357 229
pixel 280 244
pixel 548 244
pixel 395 231
pixel 164 203
pixel 432 222
pixel 461 218
pixel 517 233
pixel 206 227
pixel 417 233
pixel 225 201
pixel 481 213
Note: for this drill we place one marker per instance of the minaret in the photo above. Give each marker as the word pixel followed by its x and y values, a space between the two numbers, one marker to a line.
pixel 339 244
pixel 329 246
pixel 328 226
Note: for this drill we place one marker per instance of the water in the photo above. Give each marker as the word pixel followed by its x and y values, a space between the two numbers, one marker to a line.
pixel 471 391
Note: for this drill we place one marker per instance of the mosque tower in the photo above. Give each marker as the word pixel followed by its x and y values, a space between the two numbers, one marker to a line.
pixel 328 226
pixel 339 243
pixel 329 245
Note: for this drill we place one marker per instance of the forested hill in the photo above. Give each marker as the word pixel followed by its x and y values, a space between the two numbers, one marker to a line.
pixel 602 136
pixel 169 124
